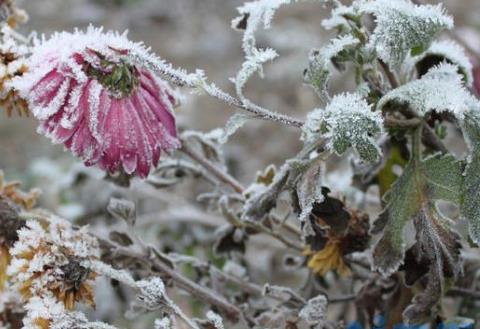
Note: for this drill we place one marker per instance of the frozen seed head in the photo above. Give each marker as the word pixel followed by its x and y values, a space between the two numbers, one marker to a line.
pixel 90 92
pixel 49 260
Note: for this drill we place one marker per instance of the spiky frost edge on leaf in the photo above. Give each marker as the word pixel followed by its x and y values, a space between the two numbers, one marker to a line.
pixel 402 26
pixel 339 17
pixel 319 68
pixel 414 195
pixel 440 89
pixel 347 121
pixel 453 53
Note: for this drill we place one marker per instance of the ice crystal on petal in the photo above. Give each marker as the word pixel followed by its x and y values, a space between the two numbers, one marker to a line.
pixel 429 92
pixel 403 27
pixel 347 121
pixel 90 93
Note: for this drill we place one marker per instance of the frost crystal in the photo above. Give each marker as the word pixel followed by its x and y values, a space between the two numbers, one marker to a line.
pixel 318 72
pixel 347 121
pixel 152 293
pixel 440 89
pixel 402 27
pixel 338 18
pixel 164 323
pixel 215 319
pixel 315 311
pixel 90 95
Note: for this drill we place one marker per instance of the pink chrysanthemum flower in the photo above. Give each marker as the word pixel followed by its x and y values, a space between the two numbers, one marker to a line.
pixel 90 95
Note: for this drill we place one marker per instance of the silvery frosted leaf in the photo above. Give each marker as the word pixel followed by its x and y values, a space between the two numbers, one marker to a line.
pixel 235 122
pixel 414 196
pixel 347 121
pixel 445 50
pixel 122 209
pixel 340 17
pixel 429 92
pixel 403 27
pixel 298 175
pixel 320 62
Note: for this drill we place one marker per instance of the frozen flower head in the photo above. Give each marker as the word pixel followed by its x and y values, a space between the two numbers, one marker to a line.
pixel 12 201
pixel 91 93
pixel 50 259
pixel 12 64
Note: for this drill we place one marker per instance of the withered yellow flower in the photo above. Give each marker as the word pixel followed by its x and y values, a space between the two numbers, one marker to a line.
pixel 330 258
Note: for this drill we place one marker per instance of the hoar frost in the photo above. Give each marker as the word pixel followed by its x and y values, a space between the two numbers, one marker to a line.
pixel 347 121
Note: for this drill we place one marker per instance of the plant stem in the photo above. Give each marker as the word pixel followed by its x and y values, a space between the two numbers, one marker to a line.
pixel 389 74
pixel 213 169
pixel 196 81
pixel 408 123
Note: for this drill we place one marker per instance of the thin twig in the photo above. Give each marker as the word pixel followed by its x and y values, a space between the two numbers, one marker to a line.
pixel 407 123
pixel 184 283
pixel 463 292
pixel 196 81
pixel 214 170
pixel 389 74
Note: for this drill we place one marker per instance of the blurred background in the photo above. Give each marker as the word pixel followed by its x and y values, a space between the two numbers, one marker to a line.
pixel 190 34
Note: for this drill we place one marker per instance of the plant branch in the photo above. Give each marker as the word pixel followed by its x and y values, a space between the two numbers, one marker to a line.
pixel 213 169
pixel 198 81
pixel 389 74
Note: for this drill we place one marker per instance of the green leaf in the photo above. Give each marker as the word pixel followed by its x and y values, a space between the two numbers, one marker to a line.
pixel 470 207
pixel 414 197
pixel 320 62
pixel 429 93
pixel 347 121
pixel 445 51
pixel 402 27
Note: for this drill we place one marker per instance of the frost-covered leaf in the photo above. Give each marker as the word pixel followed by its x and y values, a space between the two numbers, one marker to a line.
pixel 440 89
pixel 470 207
pixel 414 197
pixel 253 15
pixel 348 121
pixel 300 176
pixel 340 17
pixel 403 27
pixel 235 122
pixel 319 68
pixel 253 63
pixel 315 312
pixel 122 209
pixel 445 50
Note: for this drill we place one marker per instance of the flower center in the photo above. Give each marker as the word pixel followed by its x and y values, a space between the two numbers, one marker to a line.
pixel 119 78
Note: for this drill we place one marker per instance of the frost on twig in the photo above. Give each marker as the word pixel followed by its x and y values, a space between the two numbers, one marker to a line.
pixel 347 121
